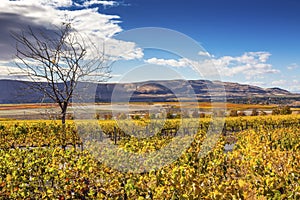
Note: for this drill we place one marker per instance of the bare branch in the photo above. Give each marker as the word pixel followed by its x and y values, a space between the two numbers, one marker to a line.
pixel 56 61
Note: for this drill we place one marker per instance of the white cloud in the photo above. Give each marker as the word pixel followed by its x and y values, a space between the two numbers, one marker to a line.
pixel 116 75
pixel 293 66
pixel 46 13
pixel 204 53
pixel 95 2
pixel 5 70
pixel 52 3
pixel 122 49
pixel 279 82
pixel 60 3
pixel 256 83
pixel 250 64
pixel 169 62
pixel 100 28
pixel 12 73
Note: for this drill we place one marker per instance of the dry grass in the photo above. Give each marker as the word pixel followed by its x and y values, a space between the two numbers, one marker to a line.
pixel 26 106
pixel 208 105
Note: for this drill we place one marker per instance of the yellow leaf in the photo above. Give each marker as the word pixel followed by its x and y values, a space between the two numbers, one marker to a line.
pixel 241 183
pixel 8 178
pixel 90 169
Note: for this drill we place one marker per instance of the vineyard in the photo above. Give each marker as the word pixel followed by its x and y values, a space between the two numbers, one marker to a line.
pixel 38 160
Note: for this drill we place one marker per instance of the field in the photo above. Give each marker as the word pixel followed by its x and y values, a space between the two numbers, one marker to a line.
pixel 173 159
pixel 49 111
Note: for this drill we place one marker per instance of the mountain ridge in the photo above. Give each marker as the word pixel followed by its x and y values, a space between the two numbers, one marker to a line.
pixel 12 91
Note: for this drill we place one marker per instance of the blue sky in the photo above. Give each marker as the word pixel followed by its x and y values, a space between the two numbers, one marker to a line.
pixel 224 27
pixel 229 28
pixel 249 41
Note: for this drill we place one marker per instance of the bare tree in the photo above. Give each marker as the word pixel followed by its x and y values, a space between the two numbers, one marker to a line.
pixel 56 61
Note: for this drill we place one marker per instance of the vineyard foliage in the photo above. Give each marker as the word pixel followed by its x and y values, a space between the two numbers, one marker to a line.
pixel 264 164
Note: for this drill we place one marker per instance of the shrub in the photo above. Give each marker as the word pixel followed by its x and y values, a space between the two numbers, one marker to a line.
pixel 282 110
pixel 233 113
pixel 254 112
pixel 263 113
pixel 241 113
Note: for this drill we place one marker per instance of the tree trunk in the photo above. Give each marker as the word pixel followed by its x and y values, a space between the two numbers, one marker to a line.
pixel 63 122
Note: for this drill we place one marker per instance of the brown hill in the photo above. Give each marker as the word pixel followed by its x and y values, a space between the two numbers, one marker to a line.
pixel 12 91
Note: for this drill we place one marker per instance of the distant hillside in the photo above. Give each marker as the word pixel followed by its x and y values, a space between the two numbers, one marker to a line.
pixel 12 91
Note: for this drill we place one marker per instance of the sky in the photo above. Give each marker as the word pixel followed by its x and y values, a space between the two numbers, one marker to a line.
pixel 246 41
